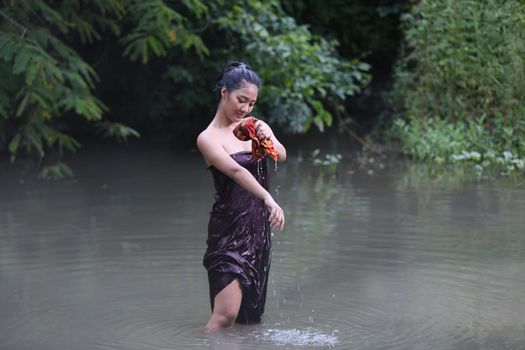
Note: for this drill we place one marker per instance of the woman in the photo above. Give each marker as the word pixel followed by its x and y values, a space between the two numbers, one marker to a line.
pixel 238 254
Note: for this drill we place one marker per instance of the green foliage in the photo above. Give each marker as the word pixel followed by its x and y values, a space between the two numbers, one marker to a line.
pixel 47 78
pixel 158 27
pixel 53 56
pixel 117 130
pixel 330 161
pixel 461 83
pixel 305 81
pixel 465 143
pixel 56 171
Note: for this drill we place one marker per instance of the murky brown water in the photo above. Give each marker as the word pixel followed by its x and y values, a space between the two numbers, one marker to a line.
pixel 112 260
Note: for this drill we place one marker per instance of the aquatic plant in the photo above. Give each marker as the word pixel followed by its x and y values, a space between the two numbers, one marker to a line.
pixel 330 160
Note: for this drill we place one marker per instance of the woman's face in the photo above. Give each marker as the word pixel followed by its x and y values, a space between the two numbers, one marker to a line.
pixel 238 103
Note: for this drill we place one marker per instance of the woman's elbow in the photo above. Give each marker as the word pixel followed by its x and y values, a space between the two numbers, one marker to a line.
pixel 281 156
pixel 236 173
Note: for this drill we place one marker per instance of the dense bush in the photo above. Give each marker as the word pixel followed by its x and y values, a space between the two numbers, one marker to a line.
pixel 305 81
pixel 461 82
pixel 45 82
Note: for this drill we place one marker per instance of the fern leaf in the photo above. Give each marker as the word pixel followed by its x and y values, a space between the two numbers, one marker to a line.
pixel 56 172
pixel 23 105
pixel 52 16
pixel 35 140
pixel 13 145
pixel 197 6
pixel 67 142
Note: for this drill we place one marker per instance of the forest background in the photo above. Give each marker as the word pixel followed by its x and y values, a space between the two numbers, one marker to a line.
pixel 437 80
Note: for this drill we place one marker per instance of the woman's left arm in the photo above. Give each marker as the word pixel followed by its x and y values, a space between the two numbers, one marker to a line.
pixel 265 132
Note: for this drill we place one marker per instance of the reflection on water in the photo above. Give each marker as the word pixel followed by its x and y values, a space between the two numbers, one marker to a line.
pixel 112 259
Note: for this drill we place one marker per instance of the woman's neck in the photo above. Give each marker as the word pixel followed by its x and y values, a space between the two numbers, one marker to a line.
pixel 221 121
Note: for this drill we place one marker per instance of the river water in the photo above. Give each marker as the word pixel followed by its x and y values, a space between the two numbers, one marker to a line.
pixel 388 259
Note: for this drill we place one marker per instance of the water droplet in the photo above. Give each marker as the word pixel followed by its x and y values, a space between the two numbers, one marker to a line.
pixel 259 167
pixel 299 337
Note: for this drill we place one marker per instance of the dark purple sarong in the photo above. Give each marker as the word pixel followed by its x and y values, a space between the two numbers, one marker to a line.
pixel 239 241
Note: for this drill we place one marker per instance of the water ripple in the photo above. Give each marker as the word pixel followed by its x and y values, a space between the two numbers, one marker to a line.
pixel 389 265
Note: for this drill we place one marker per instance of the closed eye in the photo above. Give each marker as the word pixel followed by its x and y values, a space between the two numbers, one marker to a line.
pixel 244 100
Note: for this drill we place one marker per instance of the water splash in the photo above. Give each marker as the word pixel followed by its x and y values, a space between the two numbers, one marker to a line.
pixel 297 337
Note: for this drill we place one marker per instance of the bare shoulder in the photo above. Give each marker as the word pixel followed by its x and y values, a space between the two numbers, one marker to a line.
pixel 204 139
pixel 208 143
pixel 211 149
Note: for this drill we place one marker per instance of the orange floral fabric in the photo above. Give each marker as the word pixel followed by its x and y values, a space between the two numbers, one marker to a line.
pixel 245 131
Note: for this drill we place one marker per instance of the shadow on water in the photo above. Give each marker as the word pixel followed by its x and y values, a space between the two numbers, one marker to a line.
pixel 112 259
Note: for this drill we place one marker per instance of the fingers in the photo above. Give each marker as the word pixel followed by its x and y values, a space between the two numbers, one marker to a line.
pixel 277 218
pixel 273 214
pixel 263 130
pixel 274 223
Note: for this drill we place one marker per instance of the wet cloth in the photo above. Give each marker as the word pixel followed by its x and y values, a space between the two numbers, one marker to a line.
pixel 239 239
pixel 245 131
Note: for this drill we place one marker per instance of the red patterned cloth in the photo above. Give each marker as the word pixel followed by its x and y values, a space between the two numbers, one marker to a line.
pixel 245 131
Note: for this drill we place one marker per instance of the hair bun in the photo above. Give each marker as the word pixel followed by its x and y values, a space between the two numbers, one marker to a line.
pixel 235 73
pixel 234 65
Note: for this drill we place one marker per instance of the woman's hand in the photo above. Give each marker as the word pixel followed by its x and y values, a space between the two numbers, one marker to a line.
pixel 263 130
pixel 276 214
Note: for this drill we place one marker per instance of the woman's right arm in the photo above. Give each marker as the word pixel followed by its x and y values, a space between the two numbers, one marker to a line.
pixel 215 155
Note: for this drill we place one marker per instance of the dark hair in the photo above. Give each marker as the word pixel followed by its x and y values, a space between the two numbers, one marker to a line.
pixel 234 75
